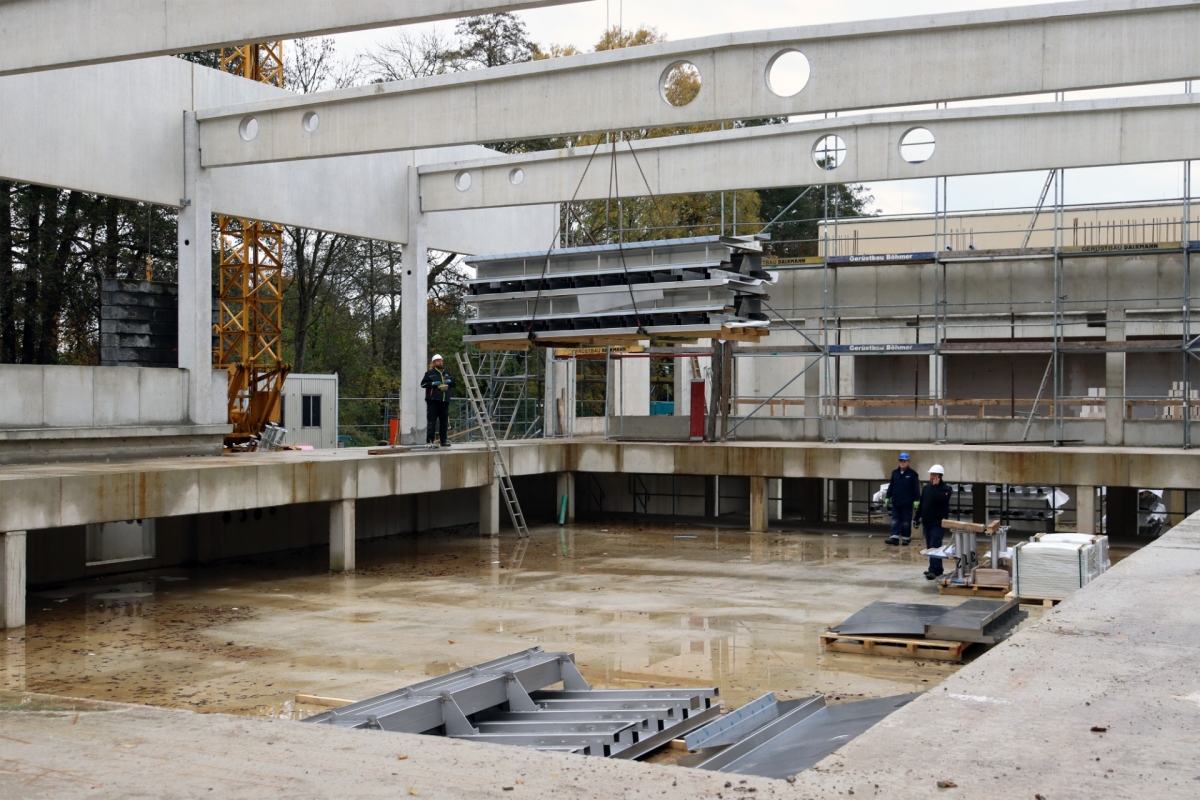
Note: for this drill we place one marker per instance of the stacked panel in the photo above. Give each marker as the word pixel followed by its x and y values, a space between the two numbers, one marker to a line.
pixel 704 287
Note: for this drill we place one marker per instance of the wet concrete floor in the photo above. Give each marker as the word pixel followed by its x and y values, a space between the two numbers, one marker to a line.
pixel 640 607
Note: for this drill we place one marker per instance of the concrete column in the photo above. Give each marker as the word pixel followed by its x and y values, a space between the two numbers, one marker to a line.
pixel 758 504
pixel 196 281
pixel 414 319
pixel 1114 381
pixel 12 580
pixel 841 500
pixel 560 396
pixel 341 536
pixel 489 509
pixel 712 496
pixel 936 390
pixel 566 488
pixel 1085 509
pixel 1175 500
pixel 812 402
pixel 629 387
pixel 775 498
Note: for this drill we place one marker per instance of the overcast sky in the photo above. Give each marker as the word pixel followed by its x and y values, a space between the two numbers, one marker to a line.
pixel 582 24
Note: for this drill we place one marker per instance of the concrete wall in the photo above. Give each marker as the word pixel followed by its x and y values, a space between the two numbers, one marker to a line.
pixel 57 413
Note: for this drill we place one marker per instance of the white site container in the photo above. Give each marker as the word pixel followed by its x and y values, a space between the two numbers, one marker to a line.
pixel 309 411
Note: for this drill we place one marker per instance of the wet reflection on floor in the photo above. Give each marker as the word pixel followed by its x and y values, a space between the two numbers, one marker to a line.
pixel 640 607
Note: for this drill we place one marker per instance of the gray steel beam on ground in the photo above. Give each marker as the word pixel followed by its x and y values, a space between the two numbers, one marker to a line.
pixel 993 139
pixel 50 34
pixel 967 55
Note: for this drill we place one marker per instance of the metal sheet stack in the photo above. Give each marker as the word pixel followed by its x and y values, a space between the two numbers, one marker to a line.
pixel 707 287
pixel 1053 570
pixel 1099 556
pixel 978 621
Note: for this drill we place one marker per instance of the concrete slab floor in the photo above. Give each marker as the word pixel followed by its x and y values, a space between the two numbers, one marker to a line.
pixel 638 606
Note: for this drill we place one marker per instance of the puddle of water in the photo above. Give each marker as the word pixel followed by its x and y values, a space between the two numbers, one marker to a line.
pixel 638 607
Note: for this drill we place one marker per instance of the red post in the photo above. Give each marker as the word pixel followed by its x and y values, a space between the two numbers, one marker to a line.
pixel 698 410
pixel 393 432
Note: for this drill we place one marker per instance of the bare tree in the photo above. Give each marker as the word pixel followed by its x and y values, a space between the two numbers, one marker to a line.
pixel 407 56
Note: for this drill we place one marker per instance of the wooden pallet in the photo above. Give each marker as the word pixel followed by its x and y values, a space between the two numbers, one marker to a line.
pixel 1045 602
pixel 895 646
pixel 974 591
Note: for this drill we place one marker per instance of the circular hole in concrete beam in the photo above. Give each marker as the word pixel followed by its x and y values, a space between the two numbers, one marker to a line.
pixel 681 84
pixel 918 145
pixel 788 73
pixel 248 129
pixel 311 121
pixel 462 181
pixel 829 152
pixel 516 177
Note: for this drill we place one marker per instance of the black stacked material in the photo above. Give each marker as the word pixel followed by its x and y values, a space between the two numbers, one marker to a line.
pixel 139 324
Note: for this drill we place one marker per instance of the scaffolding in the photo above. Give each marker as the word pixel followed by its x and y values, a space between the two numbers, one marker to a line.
pixel 936 320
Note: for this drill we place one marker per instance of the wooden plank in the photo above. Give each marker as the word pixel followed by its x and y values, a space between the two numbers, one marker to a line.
pixel 998 592
pixel 323 702
pixel 972 527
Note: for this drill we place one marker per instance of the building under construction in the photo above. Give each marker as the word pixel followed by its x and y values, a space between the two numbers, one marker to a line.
pixel 655 558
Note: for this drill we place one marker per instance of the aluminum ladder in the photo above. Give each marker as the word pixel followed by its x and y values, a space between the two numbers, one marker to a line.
pixel 507 492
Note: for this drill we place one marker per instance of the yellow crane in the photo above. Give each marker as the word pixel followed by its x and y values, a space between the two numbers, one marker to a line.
pixel 249 328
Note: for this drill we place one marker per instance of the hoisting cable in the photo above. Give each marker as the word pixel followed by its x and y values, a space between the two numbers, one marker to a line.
pixel 550 251
pixel 615 182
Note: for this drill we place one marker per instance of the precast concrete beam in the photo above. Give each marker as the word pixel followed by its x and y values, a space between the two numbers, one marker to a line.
pixel 49 34
pixel 117 130
pixel 994 139
pixel 857 65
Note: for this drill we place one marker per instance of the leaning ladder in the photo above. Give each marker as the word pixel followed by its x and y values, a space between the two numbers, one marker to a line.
pixel 475 398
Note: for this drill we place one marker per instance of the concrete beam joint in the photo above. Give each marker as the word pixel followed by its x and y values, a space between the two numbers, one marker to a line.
pixel 1030 50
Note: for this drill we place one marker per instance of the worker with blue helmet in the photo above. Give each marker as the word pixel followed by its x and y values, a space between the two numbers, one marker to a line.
pixel 903 492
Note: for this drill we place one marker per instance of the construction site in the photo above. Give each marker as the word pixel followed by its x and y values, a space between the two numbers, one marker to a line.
pixel 663 549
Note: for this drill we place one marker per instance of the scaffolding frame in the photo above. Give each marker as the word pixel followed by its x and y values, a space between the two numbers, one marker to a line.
pixel 1062 317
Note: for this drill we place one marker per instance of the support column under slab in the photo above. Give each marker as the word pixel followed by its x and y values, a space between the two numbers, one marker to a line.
pixel 566 488
pixel 1085 509
pixel 12 580
pixel 758 504
pixel 341 536
pixel 489 509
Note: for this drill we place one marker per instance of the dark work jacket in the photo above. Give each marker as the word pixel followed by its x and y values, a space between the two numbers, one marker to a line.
pixel 433 379
pixel 905 488
pixel 935 505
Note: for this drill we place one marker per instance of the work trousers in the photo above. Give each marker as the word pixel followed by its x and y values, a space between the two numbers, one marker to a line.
pixel 437 417
pixel 901 522
pixel 934 538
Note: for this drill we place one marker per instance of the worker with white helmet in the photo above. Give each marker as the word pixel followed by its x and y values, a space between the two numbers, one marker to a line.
pixel 930 512
pixel 438 384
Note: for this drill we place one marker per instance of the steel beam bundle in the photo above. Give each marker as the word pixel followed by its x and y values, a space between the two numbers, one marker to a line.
pixel 694 286
pixel 507 702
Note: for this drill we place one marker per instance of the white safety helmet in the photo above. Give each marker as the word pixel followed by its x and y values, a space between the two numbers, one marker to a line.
pixel 936 469
pixel 437 358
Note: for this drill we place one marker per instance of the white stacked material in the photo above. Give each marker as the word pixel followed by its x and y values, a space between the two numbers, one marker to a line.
pixel 1100 562
pixel 1051 570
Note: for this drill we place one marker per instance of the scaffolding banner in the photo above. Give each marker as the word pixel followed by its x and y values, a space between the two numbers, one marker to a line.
pixel 880 349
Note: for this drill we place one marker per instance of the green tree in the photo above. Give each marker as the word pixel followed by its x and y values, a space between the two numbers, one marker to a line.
pixel 493 40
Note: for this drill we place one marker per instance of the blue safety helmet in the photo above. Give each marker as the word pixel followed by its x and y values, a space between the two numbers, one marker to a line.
pixel 904 457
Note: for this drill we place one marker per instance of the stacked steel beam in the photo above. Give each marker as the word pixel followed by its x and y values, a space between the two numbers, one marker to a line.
pixel 708 287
